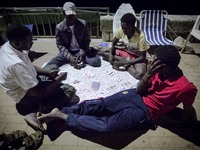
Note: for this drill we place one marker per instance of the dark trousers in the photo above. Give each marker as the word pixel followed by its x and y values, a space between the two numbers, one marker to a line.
pixel 60 60
pixel 118 112
pixel 30 104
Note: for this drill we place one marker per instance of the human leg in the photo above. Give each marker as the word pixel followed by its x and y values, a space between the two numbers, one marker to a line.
pixel 124 119
pixel 105 55
pixel 29 105
pixel 59 60
pixel 114 113
pixel 138 70
pixel 92 58
pixel 55 113
pixel 104 106
pixel 31 120
pixel 121 111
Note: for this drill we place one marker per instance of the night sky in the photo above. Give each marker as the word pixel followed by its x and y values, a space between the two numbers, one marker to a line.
pixel 176 7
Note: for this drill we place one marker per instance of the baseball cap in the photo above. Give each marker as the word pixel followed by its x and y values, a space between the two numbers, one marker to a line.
pixel 69 8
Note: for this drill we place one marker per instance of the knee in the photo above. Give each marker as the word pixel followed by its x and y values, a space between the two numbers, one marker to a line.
pixel 139 75
pixel 94 61
pixel 22 110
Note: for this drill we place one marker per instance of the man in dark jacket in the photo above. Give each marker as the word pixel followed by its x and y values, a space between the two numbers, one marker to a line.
pixel 73 40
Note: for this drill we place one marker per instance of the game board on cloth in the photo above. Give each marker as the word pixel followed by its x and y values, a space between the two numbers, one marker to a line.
pixel 94 82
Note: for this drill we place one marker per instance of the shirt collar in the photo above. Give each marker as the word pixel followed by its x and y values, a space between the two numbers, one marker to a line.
pixel 19 53
pixel 171 80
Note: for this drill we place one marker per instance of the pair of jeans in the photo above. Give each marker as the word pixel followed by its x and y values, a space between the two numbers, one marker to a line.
pixel 60 60
pixel 119 112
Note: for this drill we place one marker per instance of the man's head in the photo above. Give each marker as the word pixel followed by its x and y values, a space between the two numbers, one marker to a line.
pixel 169 55
pixel 19 36
pixel 69 10
pixel 128 23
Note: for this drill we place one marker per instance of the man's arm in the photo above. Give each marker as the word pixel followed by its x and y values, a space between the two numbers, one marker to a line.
pixel 61 45
pixel 41 71
pixel 140 59
pixel 42 89
pixel 113 44
pixel 112 50
pixel 152 69
pixel 86 39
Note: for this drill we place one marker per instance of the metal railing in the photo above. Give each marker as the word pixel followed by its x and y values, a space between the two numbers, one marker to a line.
pixel 44 19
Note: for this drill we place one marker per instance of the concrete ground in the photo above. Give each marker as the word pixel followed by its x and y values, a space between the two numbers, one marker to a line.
pixel 165 137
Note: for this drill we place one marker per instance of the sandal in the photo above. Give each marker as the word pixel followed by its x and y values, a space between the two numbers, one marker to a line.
pixel 33 141
pixel 14 139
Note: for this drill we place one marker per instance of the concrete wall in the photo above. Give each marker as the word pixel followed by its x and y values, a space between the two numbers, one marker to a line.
pixel 178 25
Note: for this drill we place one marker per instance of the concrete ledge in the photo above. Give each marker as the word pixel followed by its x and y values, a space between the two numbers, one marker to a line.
pixel 181 25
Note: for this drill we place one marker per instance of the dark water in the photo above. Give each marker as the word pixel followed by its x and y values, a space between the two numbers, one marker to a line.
pixel 176 7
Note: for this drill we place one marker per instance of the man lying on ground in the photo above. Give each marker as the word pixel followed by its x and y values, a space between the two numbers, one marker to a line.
pixel 161 89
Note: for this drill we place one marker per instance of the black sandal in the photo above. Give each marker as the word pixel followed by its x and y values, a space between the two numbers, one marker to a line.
pixel 33 141
pixel 13 140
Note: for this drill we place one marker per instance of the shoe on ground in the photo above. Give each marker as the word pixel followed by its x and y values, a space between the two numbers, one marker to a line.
pixel 33 141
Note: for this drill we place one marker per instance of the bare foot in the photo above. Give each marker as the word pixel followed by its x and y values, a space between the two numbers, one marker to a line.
pixel 54 114
pixel 32 121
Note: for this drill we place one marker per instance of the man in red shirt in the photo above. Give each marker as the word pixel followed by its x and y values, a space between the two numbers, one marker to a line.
pixel 168 87
pixel 161 89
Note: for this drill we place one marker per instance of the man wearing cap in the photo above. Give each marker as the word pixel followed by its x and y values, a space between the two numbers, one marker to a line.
pixel 73 40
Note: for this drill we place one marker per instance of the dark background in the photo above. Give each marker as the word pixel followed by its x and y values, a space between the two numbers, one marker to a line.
pixel 174 7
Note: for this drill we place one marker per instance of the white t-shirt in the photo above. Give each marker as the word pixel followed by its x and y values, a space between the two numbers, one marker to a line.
pixel 17 73
pixel 74 44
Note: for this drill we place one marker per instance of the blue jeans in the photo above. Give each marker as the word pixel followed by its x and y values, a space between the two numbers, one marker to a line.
pixel 118 112
pixel 60 60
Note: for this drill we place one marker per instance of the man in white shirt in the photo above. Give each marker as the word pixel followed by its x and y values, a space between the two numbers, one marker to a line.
pixel 19 77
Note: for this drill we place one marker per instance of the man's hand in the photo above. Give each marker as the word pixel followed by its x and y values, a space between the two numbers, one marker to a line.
pixel 154 67
pixel 72 60
pixel 62 76
pixel 111 59
pixel 120 63
pixel 53 74
pixel 80 55
pixel 79 59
